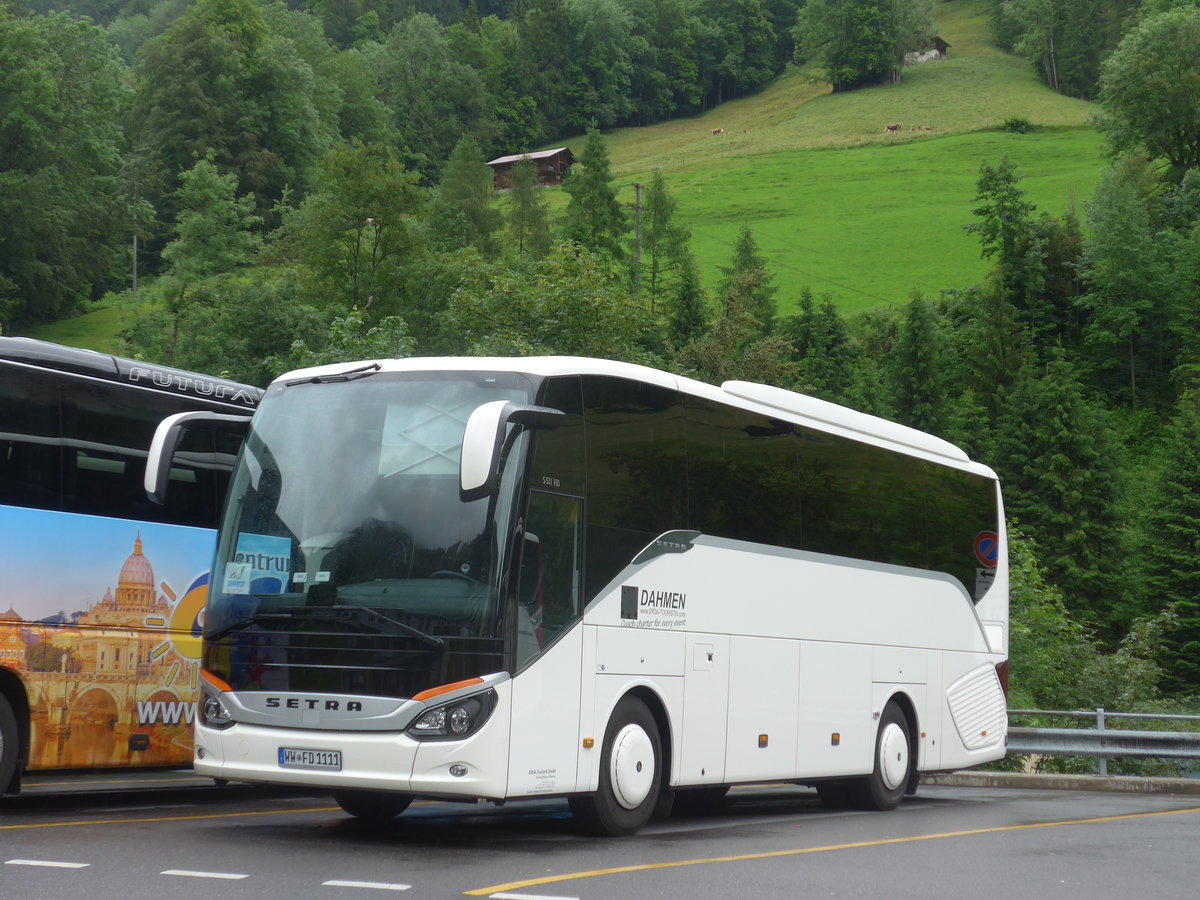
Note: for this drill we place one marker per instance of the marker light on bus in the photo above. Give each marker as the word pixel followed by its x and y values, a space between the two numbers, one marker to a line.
pixel 454 720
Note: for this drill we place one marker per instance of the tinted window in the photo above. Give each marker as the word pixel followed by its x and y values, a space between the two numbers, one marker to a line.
pixel 960 507
pixel 899 485
pixel 106 432
pixel 636 471
pixel 558 454
pixel 743 481
pixel 835 491
pixel 30 456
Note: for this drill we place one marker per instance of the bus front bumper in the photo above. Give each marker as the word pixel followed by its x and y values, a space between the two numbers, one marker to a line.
pixel 476 766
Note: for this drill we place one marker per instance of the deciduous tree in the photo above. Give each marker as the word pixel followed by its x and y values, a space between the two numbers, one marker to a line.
pixel 63 220
pixel 1149 86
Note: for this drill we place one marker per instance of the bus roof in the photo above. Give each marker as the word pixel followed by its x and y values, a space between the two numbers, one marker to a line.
pixel 73 361
pixel 802 409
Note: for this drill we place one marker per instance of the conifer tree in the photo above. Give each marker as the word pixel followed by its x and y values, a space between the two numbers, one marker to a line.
pixel 1059 466
pixel 528 216
pixel 822 347
pixel 991 346
pixel 687 306
pixel 1169 546
pixel 746 259
pixel 595 218
pixel 917 369
pixel 664 244
pixel 467 187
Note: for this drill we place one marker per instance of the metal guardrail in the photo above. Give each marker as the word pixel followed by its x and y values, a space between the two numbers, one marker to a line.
pixel 1101 741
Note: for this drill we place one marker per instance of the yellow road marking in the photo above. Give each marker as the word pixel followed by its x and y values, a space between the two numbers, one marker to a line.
pixel 114 782
pixel 595 873
pixel 135 821
pixel 227 815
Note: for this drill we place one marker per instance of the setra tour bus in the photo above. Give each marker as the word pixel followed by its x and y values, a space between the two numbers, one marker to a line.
pixel 104 590
pixel 519 578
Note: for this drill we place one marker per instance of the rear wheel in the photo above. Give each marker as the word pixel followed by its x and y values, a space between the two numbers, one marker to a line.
pixel 10 744
pixel 374 806
pixel 699 801
pixel 630 773
pixel 885 786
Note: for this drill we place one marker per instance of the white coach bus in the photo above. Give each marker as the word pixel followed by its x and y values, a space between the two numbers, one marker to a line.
pixel 518 578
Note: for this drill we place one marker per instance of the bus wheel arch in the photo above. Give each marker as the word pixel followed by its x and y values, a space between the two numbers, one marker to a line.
pixel 894 758
pixel 14 732
pixel 633 769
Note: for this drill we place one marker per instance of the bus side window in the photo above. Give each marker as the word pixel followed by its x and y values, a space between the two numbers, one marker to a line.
pixel 107 430
pixel 835 493
pixel 743 479
pixel 551 571
pixel 636 471
pixel 30 441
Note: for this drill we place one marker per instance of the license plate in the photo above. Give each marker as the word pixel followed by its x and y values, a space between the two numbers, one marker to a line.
pixel 294 758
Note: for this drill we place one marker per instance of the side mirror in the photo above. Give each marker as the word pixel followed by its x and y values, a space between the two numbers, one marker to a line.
pixel 167 436
pixel 483 442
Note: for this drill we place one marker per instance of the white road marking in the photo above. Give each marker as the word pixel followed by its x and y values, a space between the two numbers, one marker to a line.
pixel 228 876
pixel 45 862
pixel 376 885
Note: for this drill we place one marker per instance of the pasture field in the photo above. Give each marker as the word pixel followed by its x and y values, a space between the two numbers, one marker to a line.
pixel 99 329
pixel 870 225
pixel 838 204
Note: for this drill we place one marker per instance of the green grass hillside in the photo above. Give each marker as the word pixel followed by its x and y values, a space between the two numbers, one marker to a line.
pixel 839 205
pixel 834 202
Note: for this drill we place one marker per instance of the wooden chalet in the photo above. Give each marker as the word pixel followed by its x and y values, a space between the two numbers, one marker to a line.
pixel 551 167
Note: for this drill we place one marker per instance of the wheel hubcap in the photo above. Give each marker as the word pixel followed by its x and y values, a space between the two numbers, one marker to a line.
pixel 631 766
pixel 893 756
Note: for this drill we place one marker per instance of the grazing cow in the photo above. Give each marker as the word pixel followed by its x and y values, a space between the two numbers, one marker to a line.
pixel 718 131
pixel 895 127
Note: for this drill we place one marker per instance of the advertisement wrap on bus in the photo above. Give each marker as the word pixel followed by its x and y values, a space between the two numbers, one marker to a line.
pixel 103 620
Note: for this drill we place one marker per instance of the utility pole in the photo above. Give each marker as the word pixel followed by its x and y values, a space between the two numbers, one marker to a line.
pixel 637 236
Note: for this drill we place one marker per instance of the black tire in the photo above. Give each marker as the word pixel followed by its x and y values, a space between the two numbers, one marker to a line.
pixel 373 806
pixel 834 794
pixel 699 801
pixel 10 744
pixel 630 774
pixel 884 788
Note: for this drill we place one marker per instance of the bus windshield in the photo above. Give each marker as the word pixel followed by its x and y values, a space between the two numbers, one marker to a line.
pixel 344 516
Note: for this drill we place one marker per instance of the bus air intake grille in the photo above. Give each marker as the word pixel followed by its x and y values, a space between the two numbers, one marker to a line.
pixel 978 708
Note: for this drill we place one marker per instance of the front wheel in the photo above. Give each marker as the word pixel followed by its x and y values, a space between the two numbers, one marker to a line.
pixel 373 806
pixel 885 786
pixel 630 774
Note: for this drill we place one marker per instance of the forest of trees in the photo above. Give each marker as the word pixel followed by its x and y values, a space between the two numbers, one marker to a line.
pixel 305 182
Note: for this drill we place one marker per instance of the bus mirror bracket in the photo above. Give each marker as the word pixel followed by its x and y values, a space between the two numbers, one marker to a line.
pixel 166 440
pixel 483 442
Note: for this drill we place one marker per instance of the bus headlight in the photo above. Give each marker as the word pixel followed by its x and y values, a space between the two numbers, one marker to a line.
pixel 454 720
pixel 214 714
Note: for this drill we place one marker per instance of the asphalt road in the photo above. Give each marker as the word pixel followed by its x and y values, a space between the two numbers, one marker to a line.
pixel 169 838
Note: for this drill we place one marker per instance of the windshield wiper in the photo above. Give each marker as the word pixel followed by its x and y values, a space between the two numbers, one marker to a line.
pixel 239 624
pixel 348 375
pixel 329 612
